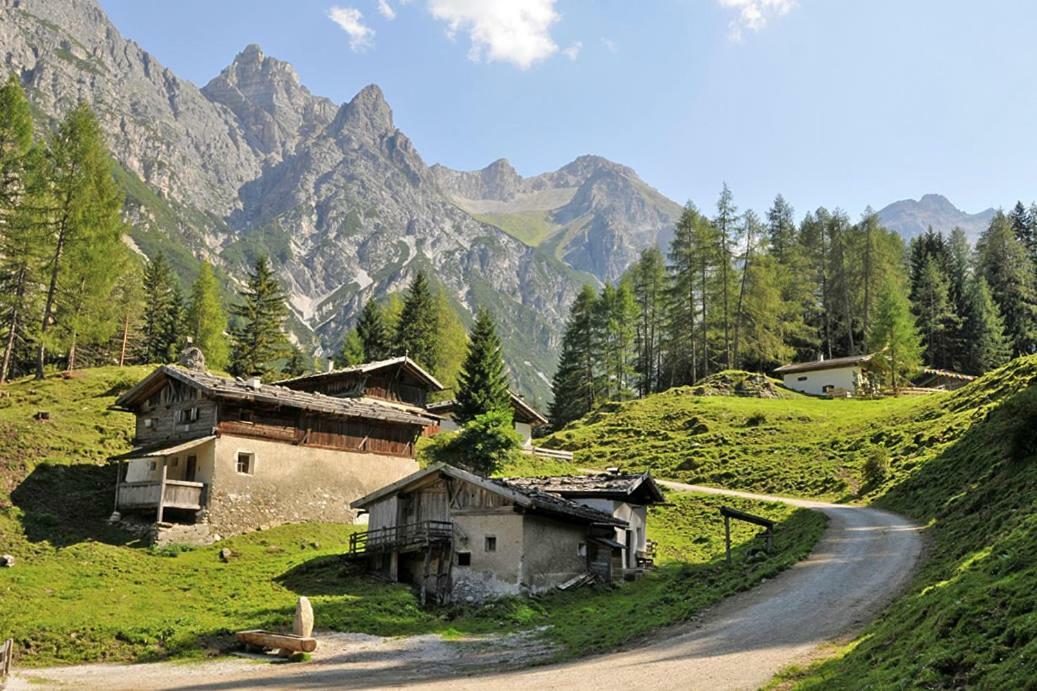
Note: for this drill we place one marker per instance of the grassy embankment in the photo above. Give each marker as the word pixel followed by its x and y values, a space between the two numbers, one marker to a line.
pixel 964 464
pixel 82 591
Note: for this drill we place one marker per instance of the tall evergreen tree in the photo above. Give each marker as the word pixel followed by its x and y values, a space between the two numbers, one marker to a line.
pixel 573 385
pixel 935 314
pixel 986 345
pixel 161 312
pixel 781 231
pixel 726 224
pixel 614 316
pixel 417 331
pixel 207 320
pixel 258 340
pixel 680 340
pixel 483 382
pixel 649 285
pixel 85 213
pixel 1003 261
pixel 352 352
pixel 752 230
pixel 1023 227
pixel 373 332
pixel 894 337
pixel 766 319
pixel 128 301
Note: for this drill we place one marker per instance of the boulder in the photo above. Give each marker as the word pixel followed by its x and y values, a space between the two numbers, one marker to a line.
pixel 303 625
pixel 6 561
pixel 226 555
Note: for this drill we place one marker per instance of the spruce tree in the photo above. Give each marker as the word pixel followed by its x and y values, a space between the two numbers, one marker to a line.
pixel 894 336
pixel 573 385
pixel 207 320
pixel 1003 261
pixel 680 339
pixel 373 333
pixel 417 333
pixel 160 311
pixel 258 340
pixel 937 320
pixel 986 345
pixel 483 382
pixel 781 231
pixel 1023 227
pixel 85 211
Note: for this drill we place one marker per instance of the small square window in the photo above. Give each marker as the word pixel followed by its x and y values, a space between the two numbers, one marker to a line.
pixel 148 423
pixel 464 558
pixel 491 543
pixel 581 549
pixel 801 378
pixel 176 461
pixel 152 466
pixel 246 463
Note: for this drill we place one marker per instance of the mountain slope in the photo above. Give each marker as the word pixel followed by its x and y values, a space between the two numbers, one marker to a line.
pixel 911 218
pixel 593 214
pixel 254 164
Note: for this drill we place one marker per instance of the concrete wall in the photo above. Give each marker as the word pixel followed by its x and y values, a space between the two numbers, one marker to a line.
pixel 815 382
pixel 292 483
pixel 139 469
pixel 525 432
pixel 551 551
pixel 491 574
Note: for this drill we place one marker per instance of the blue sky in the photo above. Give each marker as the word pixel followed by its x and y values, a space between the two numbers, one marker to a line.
pixel 830 102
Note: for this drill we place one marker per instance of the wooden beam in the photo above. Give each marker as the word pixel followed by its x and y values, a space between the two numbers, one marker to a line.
pixel 161 492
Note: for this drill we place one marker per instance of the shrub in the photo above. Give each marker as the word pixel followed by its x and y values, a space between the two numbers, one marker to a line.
pixel 481 446
pixel 876 466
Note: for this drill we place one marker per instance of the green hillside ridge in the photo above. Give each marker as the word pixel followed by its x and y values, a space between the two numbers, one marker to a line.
pixel 529 227
pixel 82 591
pixel 963 463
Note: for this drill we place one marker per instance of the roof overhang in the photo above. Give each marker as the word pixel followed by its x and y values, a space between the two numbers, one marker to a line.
pixel 164 448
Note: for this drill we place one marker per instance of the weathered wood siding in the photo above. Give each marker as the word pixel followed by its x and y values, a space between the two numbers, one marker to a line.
pixel 398 386
pixel 164 408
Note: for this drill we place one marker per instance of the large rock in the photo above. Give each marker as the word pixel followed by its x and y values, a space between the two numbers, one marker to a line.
pixel 303 625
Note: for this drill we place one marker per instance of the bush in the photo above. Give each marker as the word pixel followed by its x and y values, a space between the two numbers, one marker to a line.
pixel 481 446
pixel 876 466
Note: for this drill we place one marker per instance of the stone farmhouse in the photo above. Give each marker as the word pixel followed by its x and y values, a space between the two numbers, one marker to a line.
pixel 229 455
pixel 461 537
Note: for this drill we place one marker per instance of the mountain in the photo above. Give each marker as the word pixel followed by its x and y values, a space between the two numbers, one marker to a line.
pixel 254 163
pixel 911 218
pixel 593 214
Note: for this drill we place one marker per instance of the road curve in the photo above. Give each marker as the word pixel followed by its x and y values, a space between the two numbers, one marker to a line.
pixel 864 558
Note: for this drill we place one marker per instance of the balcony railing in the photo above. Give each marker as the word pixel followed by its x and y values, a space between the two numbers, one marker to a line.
pixel 172 494
pixel 401 538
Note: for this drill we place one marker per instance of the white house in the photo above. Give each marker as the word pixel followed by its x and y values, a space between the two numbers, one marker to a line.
pixel 842 376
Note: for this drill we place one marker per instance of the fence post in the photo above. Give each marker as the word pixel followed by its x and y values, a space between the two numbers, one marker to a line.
pixel 727 539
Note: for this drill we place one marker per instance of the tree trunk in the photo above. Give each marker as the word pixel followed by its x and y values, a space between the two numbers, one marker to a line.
pixel 12 336
pixel 741 289
pixel 125 339
pixel 52 288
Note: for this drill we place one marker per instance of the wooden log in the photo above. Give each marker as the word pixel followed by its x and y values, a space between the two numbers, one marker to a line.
pixel 161 493
pixel 276 641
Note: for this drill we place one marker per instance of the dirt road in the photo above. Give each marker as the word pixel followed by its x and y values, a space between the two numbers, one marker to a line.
pixel 864 558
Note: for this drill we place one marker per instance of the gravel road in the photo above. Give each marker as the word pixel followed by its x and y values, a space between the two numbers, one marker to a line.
pixel 863 560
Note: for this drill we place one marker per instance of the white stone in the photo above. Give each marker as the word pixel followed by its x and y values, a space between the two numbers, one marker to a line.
pixel 303 625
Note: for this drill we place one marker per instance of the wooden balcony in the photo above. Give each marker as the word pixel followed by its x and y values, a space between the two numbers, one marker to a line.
pixel 169 494
pixel 401 538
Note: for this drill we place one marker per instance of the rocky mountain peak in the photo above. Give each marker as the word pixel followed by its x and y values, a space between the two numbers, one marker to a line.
pixel 366 115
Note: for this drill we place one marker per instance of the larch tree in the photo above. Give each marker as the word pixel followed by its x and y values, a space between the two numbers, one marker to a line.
pixel 682 316
pixel 161 312
pixel 451 341
pixel 207 320
pixel 373 333
pixel 417 330
pixel 85 213
pixel 751 230
pixel 648 278
pixel 726 224
pixel 483 381
pixel 258 340
pixel 894 336
pixel 352 351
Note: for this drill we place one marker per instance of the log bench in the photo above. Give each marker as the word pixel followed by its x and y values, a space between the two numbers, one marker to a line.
pixel 284 643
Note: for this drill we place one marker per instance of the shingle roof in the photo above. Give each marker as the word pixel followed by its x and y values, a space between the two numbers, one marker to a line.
pixel 367 367
pixel 833 363
pixel 243 391
pixel 605 485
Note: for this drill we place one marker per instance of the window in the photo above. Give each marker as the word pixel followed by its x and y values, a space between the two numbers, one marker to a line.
pixel 801 378
pixel 152 466
pixel 246 463
pixel 148 423
pixel 185 416
pixel 581 549
pixel 176 461
pixel 491 543
pixel 246 415
pixel 464 558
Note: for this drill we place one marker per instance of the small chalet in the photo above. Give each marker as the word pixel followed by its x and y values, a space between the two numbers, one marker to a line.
pixel 836 377
pixel 526 417
pixel 234 454
pixel 398 380
pixel 462 537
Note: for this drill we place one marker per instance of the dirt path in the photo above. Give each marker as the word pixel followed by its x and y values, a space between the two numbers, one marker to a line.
pixel 864 558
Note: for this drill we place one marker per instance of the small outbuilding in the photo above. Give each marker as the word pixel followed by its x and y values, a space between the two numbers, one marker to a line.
pixel 526 417
pixel 461 537
pixel 835 377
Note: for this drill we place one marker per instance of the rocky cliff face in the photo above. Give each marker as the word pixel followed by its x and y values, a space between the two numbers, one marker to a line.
pixel 338 197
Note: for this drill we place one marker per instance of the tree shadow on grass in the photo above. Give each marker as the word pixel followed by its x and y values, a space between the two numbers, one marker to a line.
pixel 68 504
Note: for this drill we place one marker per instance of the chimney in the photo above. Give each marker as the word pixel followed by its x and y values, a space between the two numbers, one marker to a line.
pixel 331 365
pixel 254 383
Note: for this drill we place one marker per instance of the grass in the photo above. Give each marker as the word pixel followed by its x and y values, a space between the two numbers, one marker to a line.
pixel 82 591
pixel 528 227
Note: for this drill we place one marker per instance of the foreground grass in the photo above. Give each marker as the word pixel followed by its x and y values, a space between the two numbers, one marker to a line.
pixel 84 592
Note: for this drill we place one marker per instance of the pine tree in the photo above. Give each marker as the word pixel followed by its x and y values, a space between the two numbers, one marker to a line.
pixel 1023 227
pixel 85 213
pixel 573 385
pixel 986 345
pixel 207 320
pixel 258 341
pixel 936 318
pixel 417 331
pixel 1004 263
pixel 298 363
pixel 160 311
pixel 353 352
pixel 483 382
pixel 85 314
pixel 681 334
pixel 726 224
pixel 373 332
pixel 15 145
pixel 781 231
pixel 648 277
pixel 894 337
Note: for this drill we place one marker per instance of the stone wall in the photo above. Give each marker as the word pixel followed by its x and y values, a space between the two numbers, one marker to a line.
pixel 491 574
pixel 552 552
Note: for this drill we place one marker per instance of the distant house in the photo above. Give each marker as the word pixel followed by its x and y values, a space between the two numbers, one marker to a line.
pixel 462 537
pixel 397 380
pixel 229 455
pixel 841 376
pixel 526 417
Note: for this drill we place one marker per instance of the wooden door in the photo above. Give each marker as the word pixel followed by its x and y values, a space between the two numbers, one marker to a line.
pixel 192 468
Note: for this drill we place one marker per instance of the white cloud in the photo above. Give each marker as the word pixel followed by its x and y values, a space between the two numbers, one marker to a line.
pixel 351 20
pixel 753 15
pixel 573 51
pixel 386 10
pixel 515 31
pixel 609 44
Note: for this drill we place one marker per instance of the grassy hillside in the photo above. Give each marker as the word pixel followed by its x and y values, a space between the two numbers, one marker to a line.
pixel 964 464
pixel 83 591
